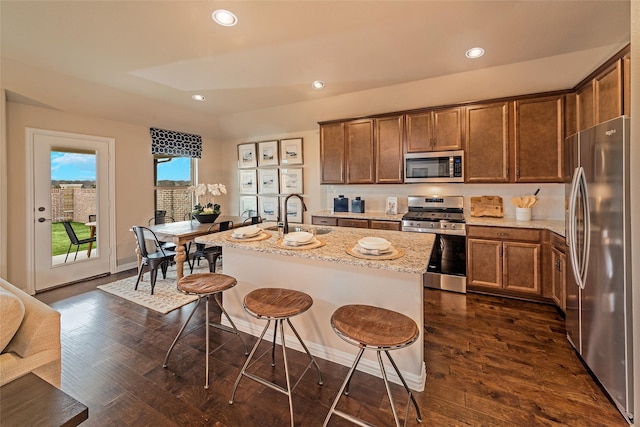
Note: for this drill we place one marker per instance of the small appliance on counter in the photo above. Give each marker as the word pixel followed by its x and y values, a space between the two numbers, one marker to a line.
pixel 340 204
pixel 357 205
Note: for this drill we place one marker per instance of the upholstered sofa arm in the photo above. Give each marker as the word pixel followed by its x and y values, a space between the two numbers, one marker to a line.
pixel 35 347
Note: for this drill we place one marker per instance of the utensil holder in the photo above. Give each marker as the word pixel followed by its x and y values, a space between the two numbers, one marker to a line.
pixel 523 214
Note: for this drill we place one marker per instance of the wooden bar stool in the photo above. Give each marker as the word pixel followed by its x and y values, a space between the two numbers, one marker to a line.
pixel 205 286
pixel 378 329
pixel 279 305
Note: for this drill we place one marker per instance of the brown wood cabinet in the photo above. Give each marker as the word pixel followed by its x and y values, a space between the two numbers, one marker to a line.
pixel 556 269
pixel 384 225
pixel 360 152
pixel 608 93
pixel 356 222
pixel 504 260
pixel 332 156
pixel 538 137
pixel 324 220
pixel 435 130
pixel 584 101
pixel 626 72
pixel 389 138
pixel 487 143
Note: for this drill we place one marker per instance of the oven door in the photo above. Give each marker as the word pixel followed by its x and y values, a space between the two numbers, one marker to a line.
pixel 448 264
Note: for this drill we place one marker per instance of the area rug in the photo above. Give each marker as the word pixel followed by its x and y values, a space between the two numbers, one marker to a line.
pixel 166 297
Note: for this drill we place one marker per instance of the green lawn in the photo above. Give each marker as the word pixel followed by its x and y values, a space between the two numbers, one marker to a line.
pixel 60 241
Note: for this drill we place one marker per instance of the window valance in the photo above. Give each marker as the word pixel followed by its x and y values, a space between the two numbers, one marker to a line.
pixel 178 144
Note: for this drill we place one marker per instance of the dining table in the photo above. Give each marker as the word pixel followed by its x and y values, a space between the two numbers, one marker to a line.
pixel 92 233
pixel 181 233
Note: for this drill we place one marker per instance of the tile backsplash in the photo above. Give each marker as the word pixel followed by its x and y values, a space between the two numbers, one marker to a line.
pixel 550 198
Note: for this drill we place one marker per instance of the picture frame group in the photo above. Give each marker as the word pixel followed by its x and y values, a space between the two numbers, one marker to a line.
pixel 270 153
pixel 271 181
pixel 269 208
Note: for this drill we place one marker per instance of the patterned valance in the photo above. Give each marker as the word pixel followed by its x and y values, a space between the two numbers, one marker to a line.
pixel 177 144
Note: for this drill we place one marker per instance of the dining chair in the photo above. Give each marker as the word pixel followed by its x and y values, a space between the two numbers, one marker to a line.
pixel 74 239
pixel 252 220
pixel 151 260
pixel 92 218
pixel 211 253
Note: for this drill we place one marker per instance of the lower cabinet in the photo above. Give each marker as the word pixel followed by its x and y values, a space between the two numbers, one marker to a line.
pixel 558 276
pixel 356 223
pixel 504 260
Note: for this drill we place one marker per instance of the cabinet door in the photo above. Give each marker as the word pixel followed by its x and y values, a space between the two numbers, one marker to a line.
pixel 385 225
pixel 360 152
pixel 570 114
pixel 419 132
pixel 521 266
pixel 354 223
pixel 538 139
pixel 585 102
pixel 626 90
pixel 484 266
pixel 332 153
pixel 487 143
pixel 558 282
pixel 389 137
pixel 608 93
pixel 447 129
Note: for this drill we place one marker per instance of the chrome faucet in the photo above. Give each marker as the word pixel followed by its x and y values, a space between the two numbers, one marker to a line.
pixel 286 222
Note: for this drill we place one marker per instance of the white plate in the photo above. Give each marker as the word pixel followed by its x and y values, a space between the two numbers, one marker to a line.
pixel 250 231
pixel 376 252
pixel 298 237
pixel 293 243
pixel 374 243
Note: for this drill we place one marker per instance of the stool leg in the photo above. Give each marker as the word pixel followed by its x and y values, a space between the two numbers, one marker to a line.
pixel 286 370
pixel 246 363
pixel 166 358
pixel 216 298
pixel 332 410
pixel 273 348
pixel 206 345
pixel 313 360
pixel 386 386
pixel 406 387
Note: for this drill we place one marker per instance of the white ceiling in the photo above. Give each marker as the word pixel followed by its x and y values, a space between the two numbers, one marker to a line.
pixel 140 61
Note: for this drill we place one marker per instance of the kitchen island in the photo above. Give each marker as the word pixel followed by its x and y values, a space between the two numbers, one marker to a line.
pixel 332 277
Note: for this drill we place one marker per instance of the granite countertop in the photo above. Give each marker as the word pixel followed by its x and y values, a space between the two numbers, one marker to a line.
pixel 416 246
pixel 555 225
pixel 381 216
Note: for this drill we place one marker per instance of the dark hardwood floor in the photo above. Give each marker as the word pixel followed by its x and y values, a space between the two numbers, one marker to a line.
pixel 490 362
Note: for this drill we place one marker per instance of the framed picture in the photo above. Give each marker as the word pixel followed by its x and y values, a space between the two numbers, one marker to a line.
pixel 248 206
pixel 268 181
pixel 392 205
pixel 247 155
pixel 268 153
pixel 291 151
pixel 293 210
pixel 269 209
pixel 291 181
pixel 248 182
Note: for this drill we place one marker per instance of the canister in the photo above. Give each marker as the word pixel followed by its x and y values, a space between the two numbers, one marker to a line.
pixel 357 205
pixel 340 204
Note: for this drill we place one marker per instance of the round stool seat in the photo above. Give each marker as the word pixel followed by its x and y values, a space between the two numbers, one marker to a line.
pixel 206 283
pixel 374 326
pixel 277 303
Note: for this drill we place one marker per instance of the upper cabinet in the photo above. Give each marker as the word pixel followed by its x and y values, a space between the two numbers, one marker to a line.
pixel 626 73
pixel 435 130
pixel 389 137
pixel 608 93
pixel 364 151
pixel 487 143
pixel 538 136
pixel 332 156
pixel 584 103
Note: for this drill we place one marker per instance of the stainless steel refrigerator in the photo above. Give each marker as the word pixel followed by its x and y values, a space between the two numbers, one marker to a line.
pixel 598 226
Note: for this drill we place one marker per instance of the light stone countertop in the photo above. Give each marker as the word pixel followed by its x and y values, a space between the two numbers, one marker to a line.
pixel 557 226
pixel 416 246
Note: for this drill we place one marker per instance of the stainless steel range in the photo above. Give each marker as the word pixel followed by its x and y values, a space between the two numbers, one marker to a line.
pixel 444 217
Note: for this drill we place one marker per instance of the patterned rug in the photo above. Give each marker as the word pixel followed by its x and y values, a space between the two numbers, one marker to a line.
pixel 166 297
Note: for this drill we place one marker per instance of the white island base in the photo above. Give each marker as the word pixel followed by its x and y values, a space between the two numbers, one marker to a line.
pixel 331 285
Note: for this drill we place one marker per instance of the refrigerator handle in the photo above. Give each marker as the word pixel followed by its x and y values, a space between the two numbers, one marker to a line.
pixel 571 232
pixel 587 228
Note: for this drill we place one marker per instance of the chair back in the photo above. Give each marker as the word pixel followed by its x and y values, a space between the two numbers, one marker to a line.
pixel 71 233
pixel 226 225
pixel 160 219
pixel 142 235
pixel 92 218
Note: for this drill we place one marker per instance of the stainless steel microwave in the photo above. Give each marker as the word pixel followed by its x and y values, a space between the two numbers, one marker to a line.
pixel 434 166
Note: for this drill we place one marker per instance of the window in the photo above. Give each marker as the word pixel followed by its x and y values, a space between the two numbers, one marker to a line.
pixel 172 176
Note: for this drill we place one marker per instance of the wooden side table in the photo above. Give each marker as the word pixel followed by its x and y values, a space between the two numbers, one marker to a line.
pixel 30 401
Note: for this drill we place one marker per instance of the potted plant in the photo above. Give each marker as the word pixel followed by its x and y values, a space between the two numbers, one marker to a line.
pixel 206 210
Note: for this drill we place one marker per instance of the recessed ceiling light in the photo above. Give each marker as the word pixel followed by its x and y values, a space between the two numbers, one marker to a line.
pixel 474 52
pixel 198 97
pixel 224 17
pixel 318 84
